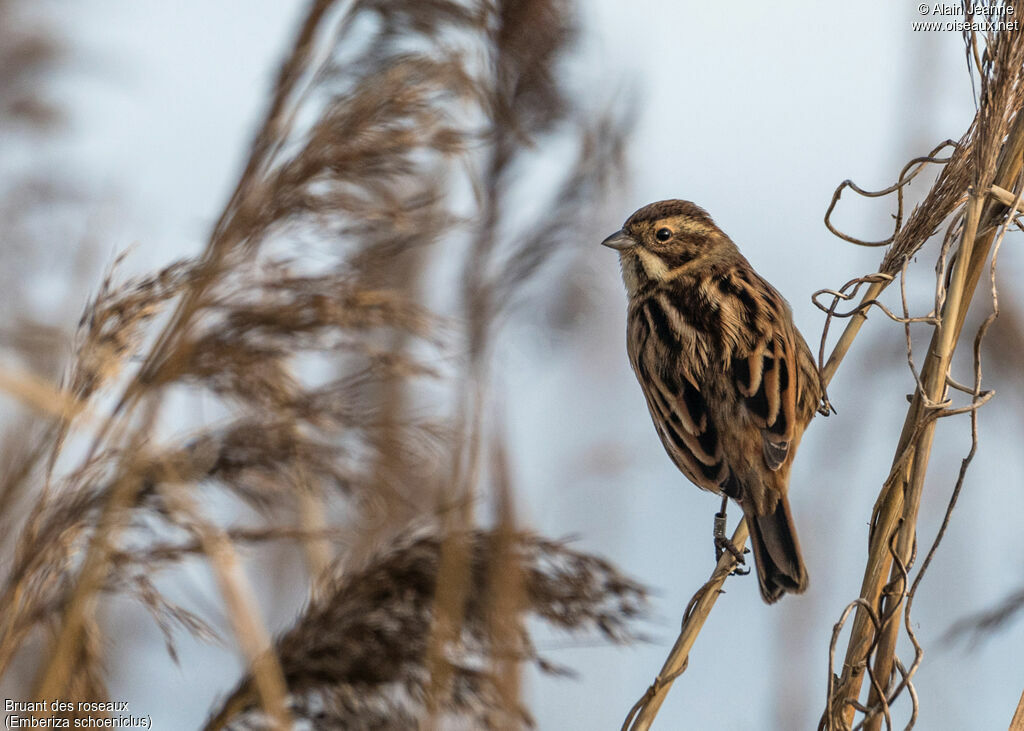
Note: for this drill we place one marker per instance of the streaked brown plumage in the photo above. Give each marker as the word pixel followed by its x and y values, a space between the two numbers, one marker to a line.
pixel 729 380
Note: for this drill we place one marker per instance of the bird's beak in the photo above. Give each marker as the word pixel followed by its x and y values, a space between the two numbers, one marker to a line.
pixel 620 241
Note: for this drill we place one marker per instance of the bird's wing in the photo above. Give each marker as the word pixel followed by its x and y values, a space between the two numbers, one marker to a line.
pixel 658 336
pixel 767 378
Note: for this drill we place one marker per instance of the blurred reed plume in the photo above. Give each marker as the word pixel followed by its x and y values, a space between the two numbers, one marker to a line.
pixel 355 658
pixel 27 52
pixel 331 346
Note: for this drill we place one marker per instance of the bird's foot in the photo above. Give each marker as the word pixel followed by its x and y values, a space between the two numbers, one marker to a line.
pixel 723 544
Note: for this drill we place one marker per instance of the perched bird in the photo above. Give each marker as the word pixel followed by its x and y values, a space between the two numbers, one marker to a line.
pixel 729 381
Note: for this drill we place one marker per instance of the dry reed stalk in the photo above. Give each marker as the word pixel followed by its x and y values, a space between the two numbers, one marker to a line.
pixel 906 545
pixel 898 504
pixel 317 548
pixel 57 673
pixel 1017 722
pixel 643 713
pixel 37 393
pixel 507 591
pixel 997 156
pixel 241 605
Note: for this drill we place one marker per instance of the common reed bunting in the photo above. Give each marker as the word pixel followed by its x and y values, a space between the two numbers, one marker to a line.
pixel 729 381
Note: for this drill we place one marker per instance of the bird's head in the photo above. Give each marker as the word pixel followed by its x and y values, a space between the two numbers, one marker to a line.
pixel 662 239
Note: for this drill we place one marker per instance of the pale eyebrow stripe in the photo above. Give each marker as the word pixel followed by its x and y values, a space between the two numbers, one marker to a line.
pixel 691 226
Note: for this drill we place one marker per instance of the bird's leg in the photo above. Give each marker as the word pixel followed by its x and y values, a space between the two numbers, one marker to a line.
pixel 722 543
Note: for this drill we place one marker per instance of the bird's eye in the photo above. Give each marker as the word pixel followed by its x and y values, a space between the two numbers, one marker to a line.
pixel 663 234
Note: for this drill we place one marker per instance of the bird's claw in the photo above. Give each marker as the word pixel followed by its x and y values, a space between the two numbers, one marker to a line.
pixel 723 544
pixel 739 572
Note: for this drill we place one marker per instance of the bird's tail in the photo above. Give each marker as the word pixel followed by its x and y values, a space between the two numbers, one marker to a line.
pixel 780 568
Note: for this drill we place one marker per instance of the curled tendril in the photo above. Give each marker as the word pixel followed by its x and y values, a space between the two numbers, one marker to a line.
pixel 907 174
